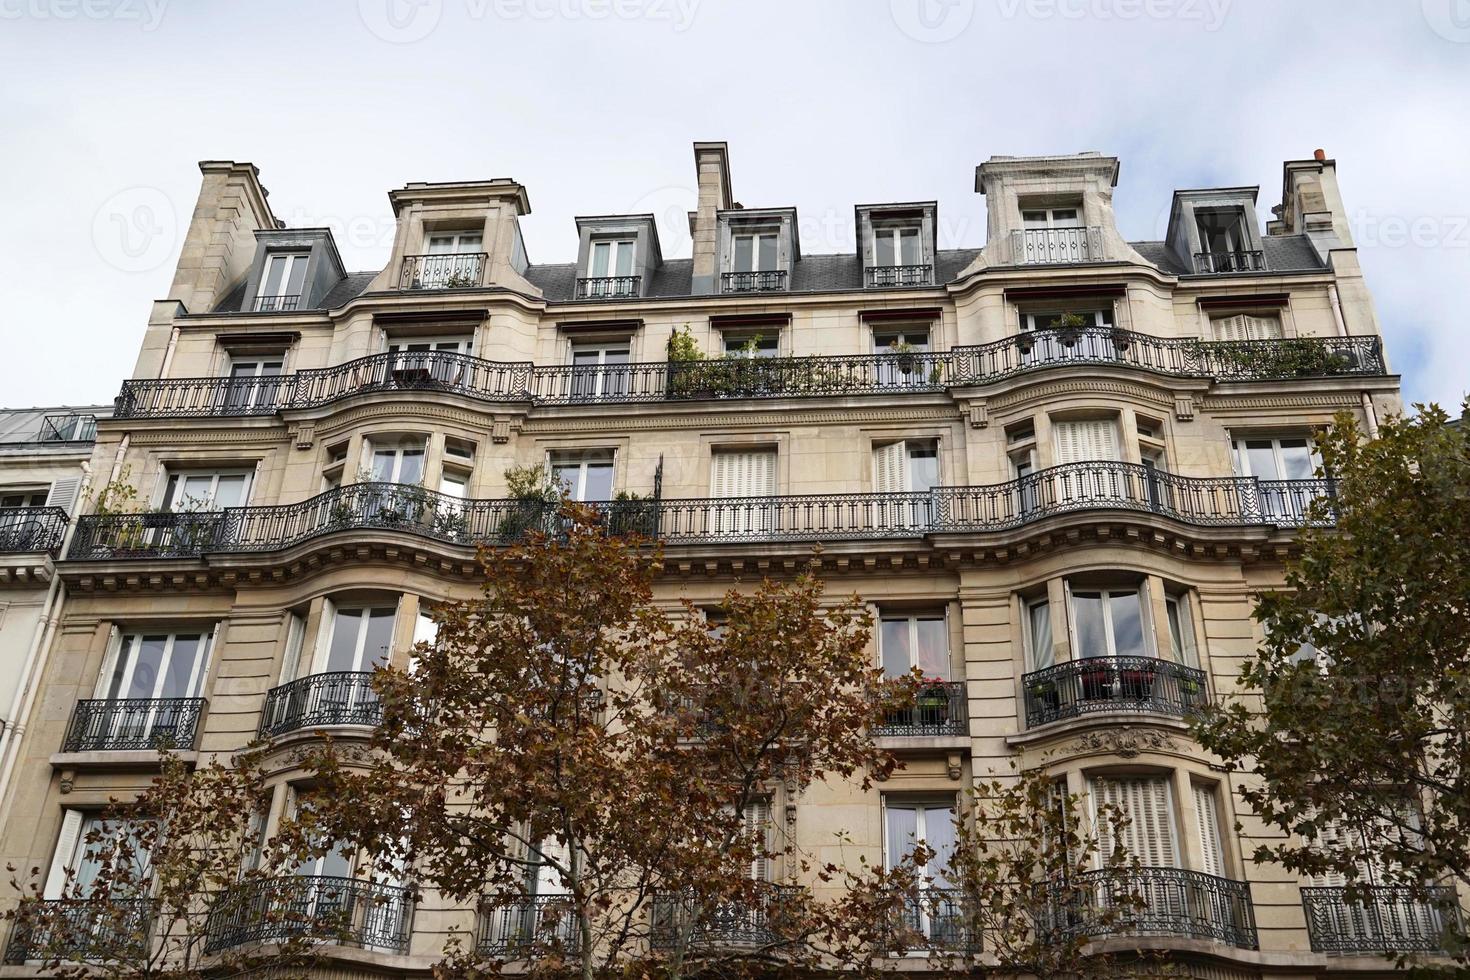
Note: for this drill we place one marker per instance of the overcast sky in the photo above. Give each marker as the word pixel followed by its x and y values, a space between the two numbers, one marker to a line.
pixel 108 105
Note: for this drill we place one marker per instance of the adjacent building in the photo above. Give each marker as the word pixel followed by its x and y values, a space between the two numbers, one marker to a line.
pixel 1058 467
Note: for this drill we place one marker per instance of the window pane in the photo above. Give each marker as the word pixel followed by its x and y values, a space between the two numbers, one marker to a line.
pixel 1296 460
pixel 585 358
pixel 939 834
pixel 894 640
pixel 231 491
pixel 1127 624
pixel 923 466
pixel 599 258
pixel 743 253
pixel 1087 610
pixel 599 482
pixel 883 247
pixel 470 243
pixel 383 460
pixel 148 666
pixel 412 469
pixel 275 273
pixel 342 654
pixel 566 472
pixel 768 252
pixel 187 650
pixel 903 833
pixel 297 275
pixel 1262 460
pixel 909 238
pixel 625 259
pixel 933 648
pixel 379 641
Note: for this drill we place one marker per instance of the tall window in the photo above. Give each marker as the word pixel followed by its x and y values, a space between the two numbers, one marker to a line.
pixel 920 640
pixel 360 639
pixel 754 251
pixel 1207 819
pixel 76 855
pixel 281 281
pixel 1149 835
pixel 599 370
pixel 1221 231
pixel 156 665
pixel 910 465
pixel 610 258
pixel 897 245
pixel 398 464
pixel 254 381
pixel 1273 458
pixel 1108 623
pixel 748 475
pixel 587 474
pixel 910 823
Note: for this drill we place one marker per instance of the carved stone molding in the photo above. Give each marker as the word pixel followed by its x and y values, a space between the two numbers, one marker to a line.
pixel 1126 743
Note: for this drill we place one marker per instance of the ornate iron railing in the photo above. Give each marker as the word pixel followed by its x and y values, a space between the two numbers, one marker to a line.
pixel 1251 260
pixel 111 725
pixel 882 276
pixel 447 270
pixel 1070 488
pixel 608 287
pixel 770 280
pixel 347 911
pixel 79 929
pixel 1386 919
pixel 939 709
pixel 1056 246
pixel 516 927
pixel 937 919
pixel 31 529
pixel 335 698
pixel 277 304
pixel 1094 684
pixel 771 377
pixel 1153 902
pixel 738 922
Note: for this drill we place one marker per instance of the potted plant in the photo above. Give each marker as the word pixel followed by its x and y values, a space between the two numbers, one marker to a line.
pixel 933 700
pixel 1025 342
pixel 684 365
pixel 1068 327
pixel 1190 690
pixel 1137 681
pixel 1122 340
pixel 534 494
pixel 905 353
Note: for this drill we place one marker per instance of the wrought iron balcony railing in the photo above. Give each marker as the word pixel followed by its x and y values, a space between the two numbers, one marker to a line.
pixel 739 922
pixel 883 276
pixel 770 280
pixel 1093 684
pixel 318 700
pixel 936 919
pixel 516 928
pixel 133 723
pixel 446 270
pixel 609 287
pixel 1056 246
pixel 79 929
pixel 346 911
pixel 773 377
pixel 68 427
pixel 277 304
pixel 1154 902
pixel 24 530
pixel 1383 920
pixel 939 709
pixel 1244 261
pixel 1070 488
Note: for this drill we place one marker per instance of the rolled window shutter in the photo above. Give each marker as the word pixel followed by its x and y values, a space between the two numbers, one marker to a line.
pixel 63 493
pixel 758 827
pixel 888 468
pixel 66 848
pixel 1206 811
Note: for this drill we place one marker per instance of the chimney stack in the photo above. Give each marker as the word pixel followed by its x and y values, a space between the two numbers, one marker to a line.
pixel 712 168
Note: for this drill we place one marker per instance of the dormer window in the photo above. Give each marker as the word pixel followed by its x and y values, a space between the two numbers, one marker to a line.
pixel 898 256
pixel 756 260
pixel 281 284
pixel 451 260
pixel 1225 245
pixel 609 273
pixel 1056 235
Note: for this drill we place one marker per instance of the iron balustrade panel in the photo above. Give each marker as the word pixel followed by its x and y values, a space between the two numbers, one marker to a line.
pixel 202 397
pixel 80 929
pixel 1100 485
pixel 334 698
pixel 444 270
pixel 277 304
pixel 438 371
pixel 511 926
pixel 579 384
pixel 881 276
pixel 737 922
pixel 1387 919
pixel 609 287
pixel 1291 357
pixel 1056 246
pixel 783 377
pixel 156 534
pixel 24 530
pixel 771 280
pixel 347 911
pixel 801 518
pixel 936 919
pixel 1249 260
pixel 1153 902
pixel 1298 503
pixel 1059 346
pixel 938 710
pixel 70 427
pixel 1093 684
pixel 121 724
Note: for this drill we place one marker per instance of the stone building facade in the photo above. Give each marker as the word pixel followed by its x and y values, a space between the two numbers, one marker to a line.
pixel 1058 467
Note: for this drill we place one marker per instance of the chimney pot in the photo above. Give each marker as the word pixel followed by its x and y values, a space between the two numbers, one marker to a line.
pixel 1320 155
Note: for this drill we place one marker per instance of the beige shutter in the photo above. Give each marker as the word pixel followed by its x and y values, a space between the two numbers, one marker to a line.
pixel 889 470
pixel 63 493
pixel 1085 440
pixel 1149 835
pixel 1206 811
pixel 1334 837
pixel 758 828
pixel 1231 327
pixel 744 474
pixel 66 849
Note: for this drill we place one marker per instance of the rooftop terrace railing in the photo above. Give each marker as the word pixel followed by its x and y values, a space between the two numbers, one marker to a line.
pixel 771 377
pixel 1070 488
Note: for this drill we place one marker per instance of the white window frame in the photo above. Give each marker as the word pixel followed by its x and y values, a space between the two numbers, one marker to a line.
pixel 913 619
pixel 373 451
pixel 1049 217
pixel 457 240
pixel 180 479
pixel 734 342
pixel 615 249
pixel 127 645
pixel 582 458
pixel 1242 456
pixel 899 335
pixel 462 343
pixel 755 235
pixel 898 231
pixel 289 261
pixel 328 629
pixel 921 807
pixel 1145 619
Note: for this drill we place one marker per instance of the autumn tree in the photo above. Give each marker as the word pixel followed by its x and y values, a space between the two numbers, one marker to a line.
pixel 605 776
pixel 156 878
pixel 1353 714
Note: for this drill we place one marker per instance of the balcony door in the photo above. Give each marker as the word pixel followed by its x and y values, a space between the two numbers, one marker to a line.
pixel 908 467
pixel 1244 326
pixel 586 475
pixel 743 483
pixel 207 490
pixel 606 259
pixel 1083 442
pixel 933 914
pixel 1149 834
pixel 1044 341
pixel 1273 459
pixel 599 370
pixel 1053 235
pixel 281 282
pixel 359 639
pixel 754 251
pixel 254 383
pixel 77 862
pixel 157 675
pixel 897 245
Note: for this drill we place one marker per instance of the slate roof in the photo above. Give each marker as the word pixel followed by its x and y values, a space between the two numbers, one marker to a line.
pixel 22 426
pixel 1283 253
pixel 348 288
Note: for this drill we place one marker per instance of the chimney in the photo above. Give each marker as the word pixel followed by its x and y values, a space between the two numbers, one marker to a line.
pixel 220 243
pixel 712 168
